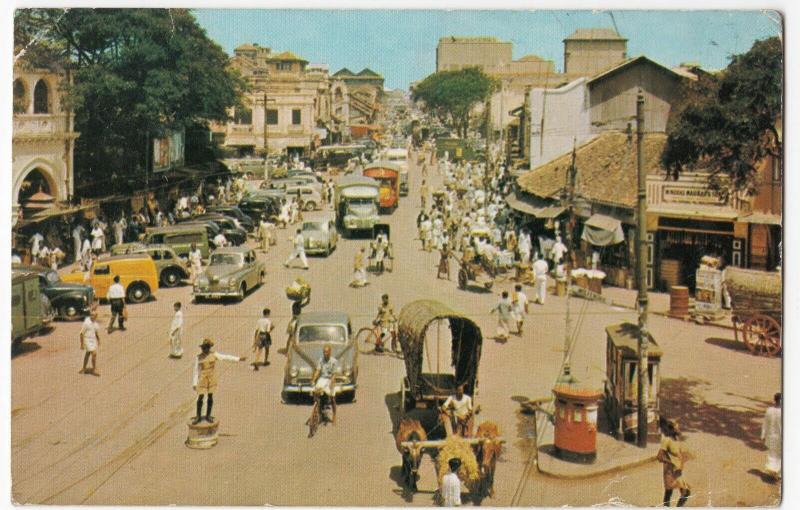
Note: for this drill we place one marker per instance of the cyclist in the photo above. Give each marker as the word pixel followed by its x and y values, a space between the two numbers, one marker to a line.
pixel 324 379
pixel 387 320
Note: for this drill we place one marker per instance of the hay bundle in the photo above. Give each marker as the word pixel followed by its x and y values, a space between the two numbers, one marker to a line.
pixel 455 447
pixel 754 291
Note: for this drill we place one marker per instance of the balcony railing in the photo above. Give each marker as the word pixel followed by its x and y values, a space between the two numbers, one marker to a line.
pixel 39 125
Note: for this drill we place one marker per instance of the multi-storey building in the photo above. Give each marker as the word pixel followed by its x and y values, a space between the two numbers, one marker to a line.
pixel 286 104
pixel 43 137
pixel 355 98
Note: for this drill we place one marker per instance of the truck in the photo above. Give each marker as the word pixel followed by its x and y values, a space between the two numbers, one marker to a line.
pixel 355 202
pixel 388 176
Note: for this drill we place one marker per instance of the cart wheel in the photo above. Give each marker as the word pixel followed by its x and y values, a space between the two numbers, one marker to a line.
pixel 462 279
pixel 762 335
pixel 366 339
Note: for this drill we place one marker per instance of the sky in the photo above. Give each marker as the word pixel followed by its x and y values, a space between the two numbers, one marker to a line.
pixel 401 44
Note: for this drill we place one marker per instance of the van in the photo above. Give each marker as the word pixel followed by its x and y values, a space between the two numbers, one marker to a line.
pixel 30 309
pixel 180 238
pixel 137 273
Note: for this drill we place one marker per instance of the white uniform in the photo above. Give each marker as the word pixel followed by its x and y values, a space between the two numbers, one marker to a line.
pixel 196 261
pixel 89 331
pixel 540 273
pixel 299 251
pixel 97 238
pixel 175 334
pixel 519 306
pixel 220 240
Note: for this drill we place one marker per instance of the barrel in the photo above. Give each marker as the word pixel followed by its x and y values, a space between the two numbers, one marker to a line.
pixel 679 301
pixel 670 273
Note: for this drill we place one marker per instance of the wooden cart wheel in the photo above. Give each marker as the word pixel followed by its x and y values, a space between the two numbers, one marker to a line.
pixel 762 335
pixel 462 279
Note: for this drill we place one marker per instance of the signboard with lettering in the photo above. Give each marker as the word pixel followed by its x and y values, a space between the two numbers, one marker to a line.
pixel 689 195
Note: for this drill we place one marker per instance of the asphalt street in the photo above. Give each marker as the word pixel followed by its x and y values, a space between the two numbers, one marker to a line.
pixel 119 438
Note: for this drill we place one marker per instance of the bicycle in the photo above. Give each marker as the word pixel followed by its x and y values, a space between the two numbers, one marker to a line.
pixel 318 413
pixel 369 340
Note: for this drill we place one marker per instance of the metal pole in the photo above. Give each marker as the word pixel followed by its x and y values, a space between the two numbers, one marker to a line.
pixel 266 127
pixel 641 270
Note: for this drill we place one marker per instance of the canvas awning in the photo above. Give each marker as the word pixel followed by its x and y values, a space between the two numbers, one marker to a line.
pixel 759 218
pixel 602 230
pixel 538 211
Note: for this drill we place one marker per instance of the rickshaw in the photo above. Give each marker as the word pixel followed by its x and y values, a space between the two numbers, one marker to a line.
pixel 388 254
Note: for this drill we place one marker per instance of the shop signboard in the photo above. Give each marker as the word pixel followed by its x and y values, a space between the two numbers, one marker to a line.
pixel 689 195
pixel 168 151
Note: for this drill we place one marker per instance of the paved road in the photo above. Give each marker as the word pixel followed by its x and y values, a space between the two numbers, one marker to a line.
pixel 118 438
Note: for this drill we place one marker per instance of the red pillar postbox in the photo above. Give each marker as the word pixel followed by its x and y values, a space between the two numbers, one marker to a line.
pixel 576 423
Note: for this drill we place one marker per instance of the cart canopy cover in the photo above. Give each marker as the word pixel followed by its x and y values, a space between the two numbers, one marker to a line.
pixel 413 323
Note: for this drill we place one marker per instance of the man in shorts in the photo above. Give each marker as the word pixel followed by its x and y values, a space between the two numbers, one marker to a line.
pixel 262 338
pixel 324 379
pixel 204 377
pixel 90 341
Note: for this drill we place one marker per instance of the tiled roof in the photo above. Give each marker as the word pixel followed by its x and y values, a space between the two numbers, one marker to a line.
pixel 343 72
pixel 641 59
pixel 606 169
pixel 596 34
pixel 288 55
pixel 368 72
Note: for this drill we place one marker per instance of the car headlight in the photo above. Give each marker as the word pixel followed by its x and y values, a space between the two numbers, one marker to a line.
pixel 85 298
pixel 293 372
pixel 203 280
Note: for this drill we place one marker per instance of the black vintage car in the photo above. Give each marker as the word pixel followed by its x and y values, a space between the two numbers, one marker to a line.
pixel 233 211
pixel 259 203
pixel 69 300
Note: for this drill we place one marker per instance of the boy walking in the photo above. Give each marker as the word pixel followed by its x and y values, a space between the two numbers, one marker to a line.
pixel 90 341
pixel 519 301
pixel 262 338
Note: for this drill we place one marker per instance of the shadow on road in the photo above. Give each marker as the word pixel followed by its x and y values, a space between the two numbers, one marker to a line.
pixel 682 399
pixel 22 348
pixel 729 343
pixel 765 477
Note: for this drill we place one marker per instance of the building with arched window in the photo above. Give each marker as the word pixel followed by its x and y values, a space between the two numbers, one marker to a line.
pixel 43 137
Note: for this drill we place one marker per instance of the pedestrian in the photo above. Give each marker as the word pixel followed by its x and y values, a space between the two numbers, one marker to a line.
pixel 504 316
pixel 771 433
pixel 519 302
pixel 36 241
pixel 387 320
pixel 451 484
pixel 119 229
pixel 204 377
pixel 220 240
pixel 56 256
pixel 195 262
pixel 264 233
pixel 557 251
pixel 77 239
pixel 444 262
pixel 299 250
pixel 673 456
pixel 359 269
pixel 98 238
pixel 262 338
pixel 423 194
pixel 176 332
pixel 90 342
pixel 116 295
pixel 540 278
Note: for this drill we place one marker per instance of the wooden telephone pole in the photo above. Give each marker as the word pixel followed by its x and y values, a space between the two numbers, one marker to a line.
pixel 641 273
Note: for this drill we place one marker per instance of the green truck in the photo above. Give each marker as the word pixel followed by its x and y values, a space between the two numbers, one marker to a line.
pixel 458 149
pixel 356 203
pixel 30 309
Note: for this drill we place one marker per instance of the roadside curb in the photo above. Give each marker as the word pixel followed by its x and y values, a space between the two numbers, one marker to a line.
pixel 599 472
pixel 688 318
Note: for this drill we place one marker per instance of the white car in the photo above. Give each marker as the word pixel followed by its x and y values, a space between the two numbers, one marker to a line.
pixel 312 199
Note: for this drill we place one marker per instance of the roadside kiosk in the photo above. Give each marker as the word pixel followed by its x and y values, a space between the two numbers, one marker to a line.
pixel 621 387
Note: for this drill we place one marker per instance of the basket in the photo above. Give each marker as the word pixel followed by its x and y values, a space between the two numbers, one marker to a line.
pixel 298 290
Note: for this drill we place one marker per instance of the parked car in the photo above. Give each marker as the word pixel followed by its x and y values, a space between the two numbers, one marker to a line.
pixel 231 272
pixel 320 236
pixel 234 234
pixel 171 268
pixel 137 272
pixel 180 238
pixel 31 312
pixel 68 300
pixel 233 211
pixel 312 333
pixel 312 199
pixel 259 203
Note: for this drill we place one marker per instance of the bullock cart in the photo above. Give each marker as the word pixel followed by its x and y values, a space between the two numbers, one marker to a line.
pixel 757 303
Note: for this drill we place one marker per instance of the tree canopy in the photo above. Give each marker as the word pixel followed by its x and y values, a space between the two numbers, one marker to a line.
pixel 451 95
pixel 135 74
pixel 727 123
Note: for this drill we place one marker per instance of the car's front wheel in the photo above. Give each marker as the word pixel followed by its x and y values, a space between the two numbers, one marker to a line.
pixel 241 293
pixel 68 312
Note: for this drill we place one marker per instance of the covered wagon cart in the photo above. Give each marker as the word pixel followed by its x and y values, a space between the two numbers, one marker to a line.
pixel 757 303
pixel 429 381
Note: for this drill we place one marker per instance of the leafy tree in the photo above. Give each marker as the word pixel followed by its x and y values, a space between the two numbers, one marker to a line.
pixel 451 95
pixel 135 73
pixel 728 122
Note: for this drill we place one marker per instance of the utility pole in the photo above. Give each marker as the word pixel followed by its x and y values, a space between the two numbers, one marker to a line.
pixel 266 127
pixel 641 273
pixel 573 172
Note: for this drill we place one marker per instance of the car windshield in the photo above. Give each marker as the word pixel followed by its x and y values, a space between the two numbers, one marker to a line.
pixel 324 334
pixel 313 226
pixel 218 259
